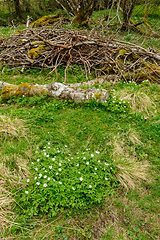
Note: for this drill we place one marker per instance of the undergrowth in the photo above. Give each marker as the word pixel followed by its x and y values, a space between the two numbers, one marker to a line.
pixel 68 153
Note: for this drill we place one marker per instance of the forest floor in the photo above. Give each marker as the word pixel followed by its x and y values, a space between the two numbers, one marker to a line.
pixel 128 137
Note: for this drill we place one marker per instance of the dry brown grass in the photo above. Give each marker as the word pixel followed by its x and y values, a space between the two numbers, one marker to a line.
pixel 14 128
pixel 14 178
pixel 130 170
pixel 11 127
pixel 139 101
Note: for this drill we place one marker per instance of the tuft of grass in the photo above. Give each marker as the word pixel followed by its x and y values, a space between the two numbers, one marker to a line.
pixel 139 100
pixel 130 169
pixel 9 127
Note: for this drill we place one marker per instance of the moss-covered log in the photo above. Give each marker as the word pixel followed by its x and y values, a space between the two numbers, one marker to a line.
pixel 55 89
pixel 50 19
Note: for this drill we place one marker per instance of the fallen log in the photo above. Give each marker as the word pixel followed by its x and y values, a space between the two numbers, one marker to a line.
pixel 55 89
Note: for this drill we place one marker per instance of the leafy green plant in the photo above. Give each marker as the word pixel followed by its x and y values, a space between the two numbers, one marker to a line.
pixel 60 180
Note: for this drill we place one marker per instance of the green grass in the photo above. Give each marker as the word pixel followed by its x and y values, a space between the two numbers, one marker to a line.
pixel 117 136
pixel 125 132
pixel 132 35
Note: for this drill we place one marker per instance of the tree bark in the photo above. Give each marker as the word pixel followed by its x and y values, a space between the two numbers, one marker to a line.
pixel 83 11
pixel 17 8
pixel 27 5
pixel 127 7
pixel 55 89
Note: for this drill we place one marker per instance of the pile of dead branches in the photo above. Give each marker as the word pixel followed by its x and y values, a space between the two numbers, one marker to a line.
pixel 50 48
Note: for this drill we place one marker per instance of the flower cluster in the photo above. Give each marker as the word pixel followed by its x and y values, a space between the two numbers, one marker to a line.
pixel 58 174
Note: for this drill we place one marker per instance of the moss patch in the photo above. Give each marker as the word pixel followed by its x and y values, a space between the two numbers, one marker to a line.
pixel 24 89
pixel 35 53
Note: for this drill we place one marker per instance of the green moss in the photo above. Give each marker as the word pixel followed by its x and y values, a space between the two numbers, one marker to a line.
pixel 18 32
pixel 98 95
pixel 37 43
pixel 47 20
pixel 34 53
pixel 123 52
pixel 24 89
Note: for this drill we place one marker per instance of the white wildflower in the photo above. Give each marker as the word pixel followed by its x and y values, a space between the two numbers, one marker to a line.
pixel 53 159
pixel 84 158
pixel 45 170
pixel 57 173
pixel 59 169
pixel 45 176
pixel 40 175
pixel 28 180
pixel 95 168
pixel 107 164
pixel 36 169
pixel 87 163
pixel 38 183
pixel 38 160
pixel 60 182
pixel 106 178
pixel 90 186
pixel 44 153
pixel 48 143
pixel 95 173
pixel 99 161
pixel 97 152
pixel 65 145
pixel 26 192
pixel 50 167
pixel 81 179
pixel 73 188
pixel 77 164
pixel 47 155
pixel 44 185
pixel 48 178
pixel 60 164
pixel 32 162
pixel 35 178
pixel 92 155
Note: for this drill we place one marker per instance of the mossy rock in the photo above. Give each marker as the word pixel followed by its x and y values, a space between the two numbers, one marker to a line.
pixel 24 89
